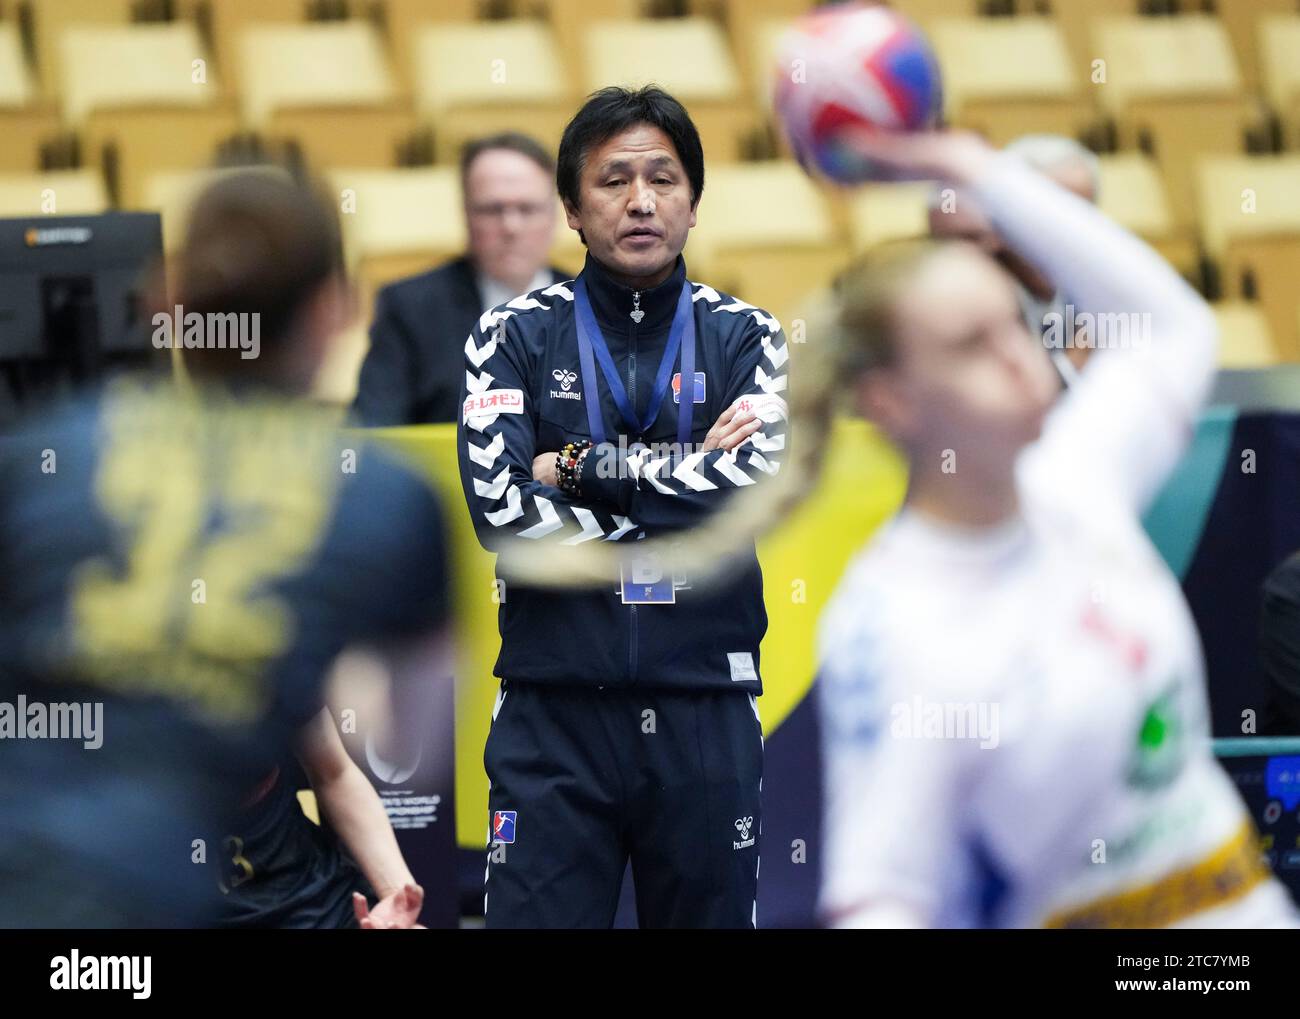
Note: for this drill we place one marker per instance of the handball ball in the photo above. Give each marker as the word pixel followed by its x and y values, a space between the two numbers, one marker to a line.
pixel 852 64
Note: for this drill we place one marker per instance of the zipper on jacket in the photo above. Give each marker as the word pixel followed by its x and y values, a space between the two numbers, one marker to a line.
pixel 631 398
pixel 631 358
pixel 631 645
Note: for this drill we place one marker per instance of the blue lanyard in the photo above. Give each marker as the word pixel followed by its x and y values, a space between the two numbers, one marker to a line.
pixel 591 339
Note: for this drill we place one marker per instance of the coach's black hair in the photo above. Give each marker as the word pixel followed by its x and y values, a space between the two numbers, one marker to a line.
pixel 612 111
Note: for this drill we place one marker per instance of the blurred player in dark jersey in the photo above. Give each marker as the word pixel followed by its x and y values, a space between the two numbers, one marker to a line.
pixel 179 568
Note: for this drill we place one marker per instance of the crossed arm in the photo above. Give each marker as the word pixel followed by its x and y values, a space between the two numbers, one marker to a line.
pixel 732 428
pixel 509 483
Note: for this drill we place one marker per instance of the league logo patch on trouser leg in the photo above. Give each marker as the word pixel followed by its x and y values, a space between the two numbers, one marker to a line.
pixel 555 853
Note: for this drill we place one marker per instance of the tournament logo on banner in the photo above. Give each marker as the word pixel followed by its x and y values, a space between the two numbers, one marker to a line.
pixel 418 794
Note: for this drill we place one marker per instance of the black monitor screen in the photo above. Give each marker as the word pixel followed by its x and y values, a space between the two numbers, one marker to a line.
pixel 72 301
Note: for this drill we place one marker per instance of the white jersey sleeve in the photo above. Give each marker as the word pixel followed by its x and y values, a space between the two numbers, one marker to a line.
pixel 1122 428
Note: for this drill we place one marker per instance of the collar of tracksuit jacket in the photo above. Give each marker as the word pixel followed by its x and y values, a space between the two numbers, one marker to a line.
pixel 613 303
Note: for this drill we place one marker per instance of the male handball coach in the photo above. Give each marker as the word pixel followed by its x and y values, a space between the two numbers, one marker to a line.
pixel 626 726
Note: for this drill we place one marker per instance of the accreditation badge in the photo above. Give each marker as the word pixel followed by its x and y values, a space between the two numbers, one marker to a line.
pixel 642 581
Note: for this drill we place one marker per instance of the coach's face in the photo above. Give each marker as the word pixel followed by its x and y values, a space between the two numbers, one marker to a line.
pixel 637 206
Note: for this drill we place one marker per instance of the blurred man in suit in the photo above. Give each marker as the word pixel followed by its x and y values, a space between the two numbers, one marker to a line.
pixel 412 374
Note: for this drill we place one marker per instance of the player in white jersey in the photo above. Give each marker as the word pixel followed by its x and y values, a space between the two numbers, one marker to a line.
pixel 1012 691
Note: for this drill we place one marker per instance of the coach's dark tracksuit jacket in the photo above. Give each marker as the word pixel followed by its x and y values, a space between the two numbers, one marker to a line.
pixel 524 395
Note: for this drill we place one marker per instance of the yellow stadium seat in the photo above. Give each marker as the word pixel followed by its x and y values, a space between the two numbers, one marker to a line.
pixel 24 131
pixel 569 20
pixel 133 65
pixel 1245 341
pixel 24 122
pixel 879 213
pixel 761 67
pixel 1266 268
pixel 729 210
pixel 1005 77
pixel 740 18
pixel 1250 223
pixel 1279 42
pixel 1132 192
pixel 50 19
pixel 16 87
pixel 477 78
pixel 341 135
pixel 1248 196
pixel 128 144
pixel 689 57
pixel 326 64
pixel 405 20
pixel 1074 17
pixel 396 222
pixel 925 12
pixel 58 193
pixel 762 48
pixel 224 21
pixel 769 251
pixel 144 99
pixel 329 86
pixel 1174 87
pixel 1184 57
pixel 730 11
pixel 543 122
pixel 1243 21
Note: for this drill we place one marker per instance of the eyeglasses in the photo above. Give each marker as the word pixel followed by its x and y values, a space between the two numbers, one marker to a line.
pixel 499 210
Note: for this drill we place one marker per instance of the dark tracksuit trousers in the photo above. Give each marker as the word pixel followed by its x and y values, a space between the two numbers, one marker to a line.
pixel 598 776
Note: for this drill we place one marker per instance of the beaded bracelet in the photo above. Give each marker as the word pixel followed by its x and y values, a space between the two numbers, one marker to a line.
pixel 568 466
